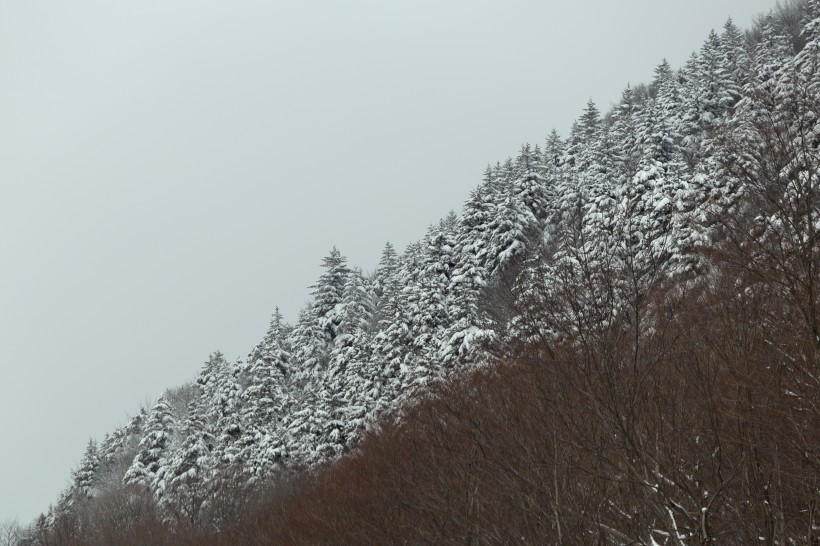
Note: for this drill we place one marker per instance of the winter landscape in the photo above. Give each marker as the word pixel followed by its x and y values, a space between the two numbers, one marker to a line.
pixel 615 341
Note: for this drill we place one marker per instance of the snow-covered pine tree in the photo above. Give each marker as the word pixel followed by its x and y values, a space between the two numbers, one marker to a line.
pixel 625 132
pixel 85 477
pixel 428 301
pixel 530 185
pixel 117 450
pixel 273 348
pixel 509 232
pixel 355 323
pixel 735 57
pixel 317 328
pixel 348 384
pixel 160 429
pixel 393 340
pixel 181 483
pixel 472 241
pixel 715 86
pixel 388 264
pixel 265 400
pixel 209 441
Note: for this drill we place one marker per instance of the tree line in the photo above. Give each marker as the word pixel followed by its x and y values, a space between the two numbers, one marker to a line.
pixel 616 341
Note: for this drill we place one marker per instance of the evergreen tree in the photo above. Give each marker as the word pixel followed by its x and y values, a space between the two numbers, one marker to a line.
pixel 553 152
pixel 122 437
pixel 327 292
pixel 219 392
pixel 160 428
pixel 715 86
pixel 318 326
pixel 509 232
pixel 349 383
pixel 625 132
pixel 472 247
pixel 355 316
pixel 388 264
pixel 428 301
pixel 394 338
pixel 85 477
pixel 529 183
pixel 735 59
pixel 273 349
pixel 117 450
pixel 181 483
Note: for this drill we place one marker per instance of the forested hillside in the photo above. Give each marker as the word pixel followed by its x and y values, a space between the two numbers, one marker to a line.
pixel 616 341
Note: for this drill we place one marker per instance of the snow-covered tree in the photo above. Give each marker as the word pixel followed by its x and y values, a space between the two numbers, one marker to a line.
pixel 318 324
pixel 160 428
pixel 85 476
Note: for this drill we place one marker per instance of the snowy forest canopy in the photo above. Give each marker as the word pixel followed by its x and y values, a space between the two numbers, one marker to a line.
pixel 580 255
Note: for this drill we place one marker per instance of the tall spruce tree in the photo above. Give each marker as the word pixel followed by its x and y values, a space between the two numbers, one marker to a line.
pixel 160 429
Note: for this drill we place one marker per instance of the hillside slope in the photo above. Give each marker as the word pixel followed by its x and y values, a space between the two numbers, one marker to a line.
pixel 706 173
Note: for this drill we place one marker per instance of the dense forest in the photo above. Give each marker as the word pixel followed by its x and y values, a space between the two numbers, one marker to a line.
pixel 616 341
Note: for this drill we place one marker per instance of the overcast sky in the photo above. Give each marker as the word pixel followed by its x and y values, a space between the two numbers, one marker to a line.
pixel 172 170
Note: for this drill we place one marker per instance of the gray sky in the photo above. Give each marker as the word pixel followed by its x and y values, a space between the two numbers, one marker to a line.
pixel 171 170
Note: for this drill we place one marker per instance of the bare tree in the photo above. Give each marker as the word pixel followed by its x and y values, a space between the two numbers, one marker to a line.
pixel 10 533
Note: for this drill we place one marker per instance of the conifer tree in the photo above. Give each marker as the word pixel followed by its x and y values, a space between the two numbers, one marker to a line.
pixel 735 59
pixel 509 232
pixel 393 340
pixel 180 484
pixel 625 132
pixel 85 477
pixel 388 264
pixel 349 382
pixel 273 349
pixel 355 316
pixel 472 243
pixel 529 184
pixel 317 328
pixel 428 299
pixel 265 400
pixel 160 428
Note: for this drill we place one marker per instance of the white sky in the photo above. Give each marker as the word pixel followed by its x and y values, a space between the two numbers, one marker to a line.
pixel 171 170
